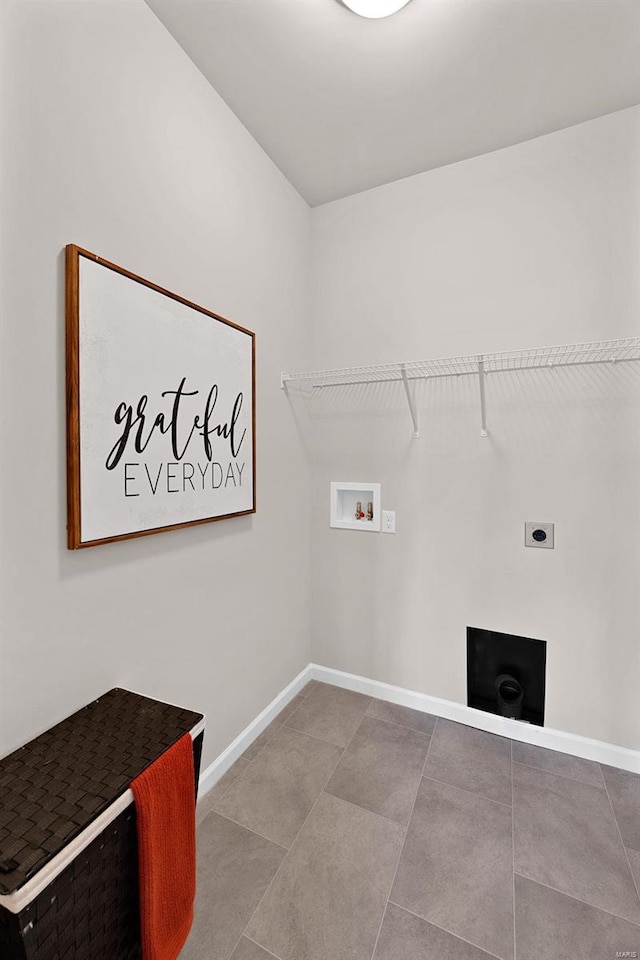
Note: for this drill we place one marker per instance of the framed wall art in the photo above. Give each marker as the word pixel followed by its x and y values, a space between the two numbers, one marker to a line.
pixel 160 408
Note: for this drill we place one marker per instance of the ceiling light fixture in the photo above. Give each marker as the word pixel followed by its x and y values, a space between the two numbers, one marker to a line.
pixel 375 9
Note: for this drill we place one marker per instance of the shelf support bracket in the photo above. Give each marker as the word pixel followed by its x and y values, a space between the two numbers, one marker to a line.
pixel 483 404
pixel 410 401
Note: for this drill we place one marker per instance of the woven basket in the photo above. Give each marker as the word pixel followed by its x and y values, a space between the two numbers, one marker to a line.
pixel 55 794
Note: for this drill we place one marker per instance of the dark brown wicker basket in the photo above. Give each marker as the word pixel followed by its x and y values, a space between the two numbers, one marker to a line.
pixel 51 791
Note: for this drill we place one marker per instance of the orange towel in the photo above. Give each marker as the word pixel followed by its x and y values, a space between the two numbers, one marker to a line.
pixel 165 820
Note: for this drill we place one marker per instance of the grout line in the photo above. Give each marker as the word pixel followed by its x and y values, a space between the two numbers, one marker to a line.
pixel 209 802
pixel 554 773
pixel 292 713
pixel 267 740
pixel 226 816
pixel 473 793
pixel 201 817
pixel 313 736
pixel 258 945
pixel 571 896
pixel 302 733
pixel 320 794
pixel 513 860
pixel 248 764
pixel 615 820
pixel 212 808
pixel 429 747
pixel 433 733
pixel 249 829
pixel 406 833
pixel 404 726
pixel 633 876
pixel 446 930
pixel 599 766
pixel 358 806
pixel 559 741
pixel 275 727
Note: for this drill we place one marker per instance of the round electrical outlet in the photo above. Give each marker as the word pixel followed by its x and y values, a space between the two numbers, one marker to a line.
pixel 539 534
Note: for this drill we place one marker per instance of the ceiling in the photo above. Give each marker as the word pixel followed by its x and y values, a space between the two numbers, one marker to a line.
pixel 341 103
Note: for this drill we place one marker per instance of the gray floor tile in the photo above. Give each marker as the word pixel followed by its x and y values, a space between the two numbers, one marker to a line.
pixel 274 795
pixel 235 867
pixel 209 800
pixel 261 741
pixel 248 950
pixel 327 901
pixel 254 749
pixel 455 873
pixel 566 837
pixel 552 926
pixel 633 857
pixel 330 713
pixel 290 709
pixel 456 868
pixel 561 763
pixel 381 768
pixel 407 937
pixel 471 759
pixel 405 716
pixel 624 790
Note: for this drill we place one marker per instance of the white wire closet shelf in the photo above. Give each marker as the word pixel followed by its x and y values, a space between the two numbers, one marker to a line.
pixel 479 365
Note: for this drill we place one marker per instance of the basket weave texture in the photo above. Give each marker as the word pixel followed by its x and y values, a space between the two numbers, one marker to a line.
pixel 55 786
pixel 90 911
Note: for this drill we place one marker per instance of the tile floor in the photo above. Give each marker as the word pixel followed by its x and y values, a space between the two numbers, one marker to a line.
pixel 354 829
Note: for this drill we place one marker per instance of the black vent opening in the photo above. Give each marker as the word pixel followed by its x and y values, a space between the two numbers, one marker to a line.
pixel 506 674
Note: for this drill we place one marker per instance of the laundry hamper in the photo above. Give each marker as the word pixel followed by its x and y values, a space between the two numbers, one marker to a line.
pixel 68 847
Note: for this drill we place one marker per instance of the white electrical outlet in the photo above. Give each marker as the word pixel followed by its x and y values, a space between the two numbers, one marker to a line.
pixel 388 521
pixel 539 535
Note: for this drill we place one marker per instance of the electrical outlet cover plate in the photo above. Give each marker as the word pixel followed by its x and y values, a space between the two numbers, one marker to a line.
pixel 539 535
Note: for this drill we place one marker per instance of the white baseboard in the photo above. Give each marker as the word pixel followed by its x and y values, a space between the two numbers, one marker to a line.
pixel 216 770
pixel 571 743
pixel 558 740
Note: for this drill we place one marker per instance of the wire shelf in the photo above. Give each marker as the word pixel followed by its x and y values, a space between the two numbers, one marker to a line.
pixel 538 358
pixel 572 354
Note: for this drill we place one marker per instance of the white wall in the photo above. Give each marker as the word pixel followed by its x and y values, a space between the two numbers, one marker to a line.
pixel 114 141
pixel 532 245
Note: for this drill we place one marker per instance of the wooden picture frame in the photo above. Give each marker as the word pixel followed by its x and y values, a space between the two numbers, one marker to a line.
pixel 160 408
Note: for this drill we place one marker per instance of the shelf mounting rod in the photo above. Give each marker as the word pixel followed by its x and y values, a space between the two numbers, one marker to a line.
pixel 483 405
pixel 410 401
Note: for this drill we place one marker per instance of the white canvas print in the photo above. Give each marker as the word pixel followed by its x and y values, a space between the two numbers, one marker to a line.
pixel 161 408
